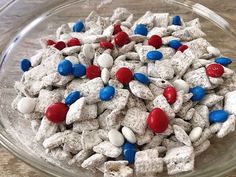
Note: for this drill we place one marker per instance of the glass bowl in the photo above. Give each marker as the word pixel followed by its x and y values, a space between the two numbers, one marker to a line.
pixel 34 19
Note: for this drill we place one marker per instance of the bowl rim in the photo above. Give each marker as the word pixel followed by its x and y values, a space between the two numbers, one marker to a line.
pixel 197 8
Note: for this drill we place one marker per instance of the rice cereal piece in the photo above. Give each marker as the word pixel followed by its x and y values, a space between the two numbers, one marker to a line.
pixel 144 139
pixel 211 99
pixel 167 52
pixel 156 91
pixel 46 129
pixel 167 39
pixel 75 111
pixel 108 149
pixel 189 114
pixel 194 23
pixel 103 134
pixel 54 141
pixel 155 141
pixel 80 157
pixel 160 31
pixel 186 106
pixel 102 119
pixel 189 33
pixel 202 147
pixel 186 126
pixel 187 97
pixel 228 72
pixel 163 70
pixel 198 78
pixel 215 127
pixel 147 19
pixel 117 169
pixel 115 83
pixel 132 56
pixel 89 139
pixel 173 28
pixel 126 48
pixel 167 132
pixel 161 19
pixel 120 14
pixel 170 144
pixel 85 125
pixel 197 120
pixel 37 58
pixel 230 102
pixel 35 125
pixel 71 50
pixel 162 83
pixel 136 102
pixel 227 127
pixel 92 98
pixel 206 134
pixel 93 161
pixel 72 142
pixel 177 105
pixel 83 59
pixel 140 90
pixel 119 101
pixel 181 62
pixel 113 120
pixel 216 81
pixel 203 111
pixel 179 159
pixel 137 125
pixel 198 46
pixel 181 135
pixel 148 162
pixel 161 102
pixel 59 154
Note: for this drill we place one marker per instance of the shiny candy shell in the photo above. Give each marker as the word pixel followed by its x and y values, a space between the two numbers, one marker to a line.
pixel 56 112
pixel 141 29
pixel 154 55
pixel 50 42
pixel 128 134
pixel 60 45
pixel 129 155
pixel 106 45
pixel 195 134
pixel 25 65
pixel 158 120
pixel 72 97
pixel 155 41
pixel 198 93
pixel 214 51
pixel 78 26
pixel 182 48
pixel 223 61
pixel 215 70
pixel 180 84
pixel 105 60
pixel 176 20
pixel 73 42
pixel 218 116
pixel 79 70
pixel 141 78
pixel 175 44
pixel 93 71
pixel 105 75
pixel 121 39
pixel 117 29
pixel 170 94
pixel 115 137
pixel 107 93
pixel 26 105
pixel 124 75
pixel 64 68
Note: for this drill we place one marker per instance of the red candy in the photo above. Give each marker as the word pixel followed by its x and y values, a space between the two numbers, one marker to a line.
pixel 170 94
pixel 93 71
pixel 50 42
pixel 56 112
pixel 117 29
pixel 73 42
pixel 124 75
pixel 157 120
pixel 121 39
pixel 60 45
pixel 214 70
pixel 182 48
pixel 106 45
pixel 155 41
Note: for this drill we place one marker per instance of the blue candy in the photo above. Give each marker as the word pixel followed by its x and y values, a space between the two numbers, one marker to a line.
pixel 129 155
pixel 107 93
pixel 175 44
pixel 128 145
pixel 64 68
pixel 141 78
pixel 218 116
pixel 198 93
pixel 176 20
pixel 25 65
pixel 154 55
pixel 141 29
pixel 72 97
pixel 79 70
pixel 78 26
pixel 223 61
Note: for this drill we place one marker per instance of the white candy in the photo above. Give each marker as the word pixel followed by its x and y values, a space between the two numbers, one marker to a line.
pixel 88 51
pixel 115 137
pixel 195 134
pixel 213 50
pixel 26 105
pixel 180 84
pixel 105 60
pixel 105 75
pixel 129 134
